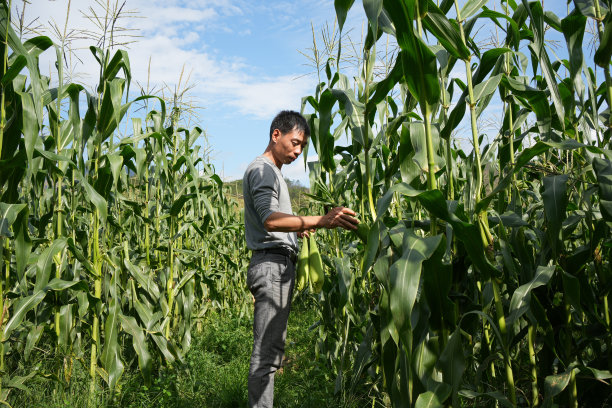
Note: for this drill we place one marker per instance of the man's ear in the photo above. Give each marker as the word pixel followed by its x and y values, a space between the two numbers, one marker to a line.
pixel 276 134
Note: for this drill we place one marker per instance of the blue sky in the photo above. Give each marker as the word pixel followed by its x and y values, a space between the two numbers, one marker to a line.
pixel 242 57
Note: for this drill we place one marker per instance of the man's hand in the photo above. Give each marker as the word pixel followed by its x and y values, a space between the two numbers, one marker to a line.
pixel 340 217
pixel 306 233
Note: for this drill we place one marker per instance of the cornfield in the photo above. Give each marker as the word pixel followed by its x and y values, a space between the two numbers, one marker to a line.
pixel 480 276
pixel 112 249
pixel 484 276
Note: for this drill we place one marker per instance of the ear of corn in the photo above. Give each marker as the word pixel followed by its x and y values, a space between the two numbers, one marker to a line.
pixel 362 232
pixel 315 266
pixel 302 268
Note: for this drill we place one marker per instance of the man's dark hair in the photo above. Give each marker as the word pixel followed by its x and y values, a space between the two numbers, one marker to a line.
pixel 289 120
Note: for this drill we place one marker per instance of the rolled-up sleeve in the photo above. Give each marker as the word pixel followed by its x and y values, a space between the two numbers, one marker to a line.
pixel 264 190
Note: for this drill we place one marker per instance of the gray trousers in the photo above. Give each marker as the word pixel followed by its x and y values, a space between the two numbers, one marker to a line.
pixel 270 279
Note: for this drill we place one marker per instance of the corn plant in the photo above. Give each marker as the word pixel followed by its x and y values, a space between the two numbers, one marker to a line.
pixel 484 274
pixel 112 244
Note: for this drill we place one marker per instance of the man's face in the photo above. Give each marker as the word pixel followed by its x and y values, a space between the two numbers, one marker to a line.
pixel 288 146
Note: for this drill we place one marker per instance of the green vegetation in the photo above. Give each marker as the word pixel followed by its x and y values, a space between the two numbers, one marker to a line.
pixel 297 192
pixel 213 374
pixel 113 248
pixel 479 276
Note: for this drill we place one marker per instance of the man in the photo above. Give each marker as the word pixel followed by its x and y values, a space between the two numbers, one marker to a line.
pixel 271 233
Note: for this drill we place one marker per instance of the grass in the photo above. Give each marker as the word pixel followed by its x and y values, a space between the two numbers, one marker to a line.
pixel 214 375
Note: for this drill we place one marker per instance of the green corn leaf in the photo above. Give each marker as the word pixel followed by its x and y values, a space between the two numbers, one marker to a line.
pixel 428 400
pixel 21 307
pixel 345 280
pixel 571 290
pixel 9 213
pixel 143 280
pixel 177 205
pixel 521 298
pixel 17 382
pixel 364 355
pixel 486 88
pixel 93 197
pixel 111 358
pixel 354 111
pixel 17 65
pixel 524 158
pixel 383 87
pixel 435 203
pixel 78 254
pixel 587 7
pixel 555 204
pixel 488 61
pixel 30 50
pixel 74 92
pixel 555 384
pixel 420 72
pixel 325 148
pixel 209 210
pixel 342 7
pixel 52 157
pixel 538 102
pixel 436 23
pixel 536 14
pixel 66 324
pixel 116 163
pixel 188 302
pixel 437 282
pixel 383 203
pixel 110 114
pixel 373 8
pixel 595 373
pixel 603 171
pixel 83 300
pixel 141 157
pixel 494 396
pixel 32 339
pixel 184 280
pixel 150 321
pixel 405 275
pixel 424 360
pixel 98 54
pixel 419 143
pixel 452 364
pixel 471 7
pixel 58 285
pixel 119 61
pixel 145 362
pixel 418 61
pixel 30 125
pixel 469 234
pixel 573 27
pixel 45 262
pixel 603 55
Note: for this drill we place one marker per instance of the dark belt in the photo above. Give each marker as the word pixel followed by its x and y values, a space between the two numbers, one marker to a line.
pixel 278 251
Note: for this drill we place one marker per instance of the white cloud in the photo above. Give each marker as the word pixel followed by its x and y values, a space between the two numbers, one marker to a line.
pixel 268 96
pixel 171 38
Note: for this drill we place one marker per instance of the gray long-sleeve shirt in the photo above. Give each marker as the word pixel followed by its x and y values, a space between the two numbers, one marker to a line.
pixel 265 192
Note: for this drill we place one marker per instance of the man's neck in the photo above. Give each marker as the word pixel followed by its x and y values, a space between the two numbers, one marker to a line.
pixel 268 153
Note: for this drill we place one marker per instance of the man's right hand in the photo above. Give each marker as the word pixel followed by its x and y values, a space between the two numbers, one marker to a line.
pixel 340 217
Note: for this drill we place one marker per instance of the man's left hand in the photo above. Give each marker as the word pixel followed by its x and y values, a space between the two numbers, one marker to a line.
pixel 306 233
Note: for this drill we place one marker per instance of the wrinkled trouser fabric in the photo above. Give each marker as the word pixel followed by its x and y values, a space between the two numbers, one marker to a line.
pixel 270 279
